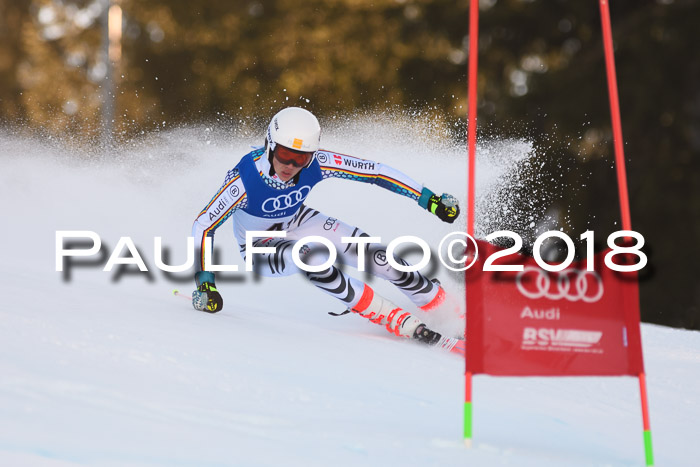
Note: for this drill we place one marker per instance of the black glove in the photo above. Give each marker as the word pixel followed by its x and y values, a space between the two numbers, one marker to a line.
pixel 445 206
pixel 206 297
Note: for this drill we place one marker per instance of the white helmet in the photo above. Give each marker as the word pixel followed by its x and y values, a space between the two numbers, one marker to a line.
pixel 294 128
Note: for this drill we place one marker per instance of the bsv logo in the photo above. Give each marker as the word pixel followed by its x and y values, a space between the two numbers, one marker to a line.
pixel 587 285
pixel 282 202
pixel 561 337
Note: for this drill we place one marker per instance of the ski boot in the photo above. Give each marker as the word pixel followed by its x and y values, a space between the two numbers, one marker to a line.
pixel 381 311
pixel 427 336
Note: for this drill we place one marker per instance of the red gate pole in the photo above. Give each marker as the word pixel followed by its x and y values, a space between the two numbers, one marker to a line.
pixel 615 114
pixel 471 122
pixel 471 149
pixel 648 449
pixel 622 189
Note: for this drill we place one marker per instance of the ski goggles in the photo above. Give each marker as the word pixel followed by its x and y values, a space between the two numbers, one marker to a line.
pixel 288 156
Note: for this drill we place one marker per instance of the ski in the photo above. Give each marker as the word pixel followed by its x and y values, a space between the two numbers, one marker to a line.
pixel 430 338
pixel 453 345
pixel 448 344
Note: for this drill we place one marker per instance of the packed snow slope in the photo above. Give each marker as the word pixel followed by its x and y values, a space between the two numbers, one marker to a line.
pixel 107 369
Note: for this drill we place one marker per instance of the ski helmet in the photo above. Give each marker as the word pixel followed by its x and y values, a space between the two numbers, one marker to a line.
pixel 294 128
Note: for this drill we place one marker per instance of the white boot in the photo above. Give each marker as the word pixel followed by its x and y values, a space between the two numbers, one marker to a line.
pixel 381 311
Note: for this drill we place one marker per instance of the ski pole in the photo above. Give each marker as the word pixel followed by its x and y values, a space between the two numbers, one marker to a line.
pixel 177 293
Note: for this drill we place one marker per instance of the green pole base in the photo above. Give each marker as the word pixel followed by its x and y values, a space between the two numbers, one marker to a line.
pixel 648 450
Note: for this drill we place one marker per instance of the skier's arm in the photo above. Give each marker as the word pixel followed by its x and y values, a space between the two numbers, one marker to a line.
pixel 230 197
pixel 335 165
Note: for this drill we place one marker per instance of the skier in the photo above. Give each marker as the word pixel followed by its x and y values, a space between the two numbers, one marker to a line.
pixel 266 191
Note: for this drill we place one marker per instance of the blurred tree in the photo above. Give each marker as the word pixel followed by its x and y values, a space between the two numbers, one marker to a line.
pixel 59 70
pixel 14 14
pixel 193 61
pixel 250 57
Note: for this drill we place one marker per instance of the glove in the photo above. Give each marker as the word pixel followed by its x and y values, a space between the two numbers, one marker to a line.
pixel 206 297
pixel 445 206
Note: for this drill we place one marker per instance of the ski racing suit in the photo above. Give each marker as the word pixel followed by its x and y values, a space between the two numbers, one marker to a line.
pixel 258 201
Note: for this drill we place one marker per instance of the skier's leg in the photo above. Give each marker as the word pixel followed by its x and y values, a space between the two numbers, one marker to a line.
pixel 353 293
pixel 423 292
pixel 381 311
pixel 280 262
pixel 426 294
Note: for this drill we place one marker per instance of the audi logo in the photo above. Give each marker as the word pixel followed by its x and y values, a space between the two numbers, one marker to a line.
pixel 562 289
pixel 282 202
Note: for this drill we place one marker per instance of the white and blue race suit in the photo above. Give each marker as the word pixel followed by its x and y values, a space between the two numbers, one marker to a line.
pixel 257 200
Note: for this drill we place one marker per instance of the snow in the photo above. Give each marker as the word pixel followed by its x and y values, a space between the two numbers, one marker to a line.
pixel 103 369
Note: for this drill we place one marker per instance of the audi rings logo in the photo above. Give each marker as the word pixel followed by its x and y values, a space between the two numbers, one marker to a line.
pixel 282 202
pixel 322 158
pixel 571 285
pixel 234 191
